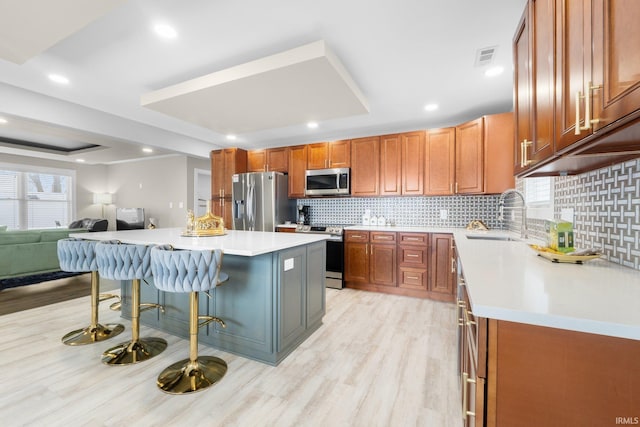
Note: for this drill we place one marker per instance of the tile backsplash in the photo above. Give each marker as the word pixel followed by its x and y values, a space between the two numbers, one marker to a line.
pixel 606 205
pixel 406 211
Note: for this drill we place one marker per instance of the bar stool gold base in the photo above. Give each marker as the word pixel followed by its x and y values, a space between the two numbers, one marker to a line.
pixel 92 334
pixel 187 377
pixel 128 353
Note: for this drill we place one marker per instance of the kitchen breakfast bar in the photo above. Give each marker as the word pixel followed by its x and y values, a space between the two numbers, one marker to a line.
pixel 273 301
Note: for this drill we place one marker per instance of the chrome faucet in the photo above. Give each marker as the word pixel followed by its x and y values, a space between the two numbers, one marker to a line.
pixel 501 208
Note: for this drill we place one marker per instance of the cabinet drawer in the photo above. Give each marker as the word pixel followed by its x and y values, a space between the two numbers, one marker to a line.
pixel 356 236
pixel 412 279
pixel 418 239
pixel 383 237
pixel 413 257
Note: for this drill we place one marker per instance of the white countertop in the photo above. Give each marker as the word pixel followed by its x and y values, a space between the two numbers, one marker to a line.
pixel 401 229
pixel 509 281
pixel 244 243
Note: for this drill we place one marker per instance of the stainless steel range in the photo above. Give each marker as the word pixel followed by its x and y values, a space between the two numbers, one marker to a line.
pixel 335 251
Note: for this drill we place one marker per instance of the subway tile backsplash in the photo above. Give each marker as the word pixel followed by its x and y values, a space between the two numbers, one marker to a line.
pixel 406 211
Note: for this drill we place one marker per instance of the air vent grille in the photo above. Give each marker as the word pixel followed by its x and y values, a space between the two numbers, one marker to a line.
pixel 485 55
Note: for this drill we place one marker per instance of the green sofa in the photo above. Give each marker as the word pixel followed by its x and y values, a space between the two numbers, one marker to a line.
pixel 29 252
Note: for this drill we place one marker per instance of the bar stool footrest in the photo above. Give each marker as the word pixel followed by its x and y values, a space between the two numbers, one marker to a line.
pixel 186 377
pixel 92 334
pixel 131 352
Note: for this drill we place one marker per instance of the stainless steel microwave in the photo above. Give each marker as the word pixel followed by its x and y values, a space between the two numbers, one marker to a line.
pixel 327 182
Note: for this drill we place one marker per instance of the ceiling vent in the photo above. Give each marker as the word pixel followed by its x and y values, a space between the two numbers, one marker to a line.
pixel 485 56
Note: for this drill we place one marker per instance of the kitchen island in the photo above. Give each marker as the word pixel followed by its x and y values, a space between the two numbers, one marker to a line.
pixel 273 301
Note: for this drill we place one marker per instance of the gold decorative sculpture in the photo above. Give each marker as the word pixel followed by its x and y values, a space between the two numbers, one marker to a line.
pixel 205 225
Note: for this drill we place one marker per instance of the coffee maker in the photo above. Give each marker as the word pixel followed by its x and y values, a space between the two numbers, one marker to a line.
pixel 303 215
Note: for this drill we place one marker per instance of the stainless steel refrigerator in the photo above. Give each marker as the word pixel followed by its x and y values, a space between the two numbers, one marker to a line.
pixel 260 201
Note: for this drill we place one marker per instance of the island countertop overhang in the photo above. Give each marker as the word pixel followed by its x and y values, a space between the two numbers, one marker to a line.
pixel 234 242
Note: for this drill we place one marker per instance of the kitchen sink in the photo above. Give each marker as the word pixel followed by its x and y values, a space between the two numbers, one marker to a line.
pixel 492 237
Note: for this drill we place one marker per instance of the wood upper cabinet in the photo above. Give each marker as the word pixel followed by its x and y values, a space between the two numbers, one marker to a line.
pixel 224 164
pixel 440 161
pixel 412 146
pixel 297 167
pixel 605 79
pixel 390 165
pixel 402 164
pixel 534 85
pixel 365 166
pixel 498 153
pixel 268 160
pixel 470 157
pixel 323 155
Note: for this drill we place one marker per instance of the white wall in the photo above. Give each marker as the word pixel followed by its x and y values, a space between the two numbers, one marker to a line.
pixel 160 186
pixel 152 184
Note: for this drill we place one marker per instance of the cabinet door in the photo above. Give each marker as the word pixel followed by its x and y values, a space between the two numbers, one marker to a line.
pixel 356 262
pixel 382 264
pixel 318 155
pixel 470 157
pixel 440 161
pixel 616 60
pixel 278 159
pixel 256 161
pixel 217 173
pixel 340 154
pixel 412 163
pixel 297 168
pixel 390 165
pixel 441 265
pixel 542 79
pixel 522 93
pixel 235 161
pixel 573 65
pixel 365 166
pixel 498 153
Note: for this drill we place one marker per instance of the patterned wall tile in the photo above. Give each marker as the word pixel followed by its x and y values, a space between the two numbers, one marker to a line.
pixel 407 211
pixel 606 205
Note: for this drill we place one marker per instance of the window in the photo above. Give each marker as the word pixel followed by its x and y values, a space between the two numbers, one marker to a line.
pixel 538 194
pixel 31 198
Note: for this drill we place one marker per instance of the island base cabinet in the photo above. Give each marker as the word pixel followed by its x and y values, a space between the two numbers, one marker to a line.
pixel 270 304
pixel 539 376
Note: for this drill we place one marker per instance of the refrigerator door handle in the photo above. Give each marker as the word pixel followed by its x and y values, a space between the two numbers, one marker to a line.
pixel 251 206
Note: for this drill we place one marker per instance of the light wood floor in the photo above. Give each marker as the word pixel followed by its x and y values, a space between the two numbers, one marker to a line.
pixel 378 360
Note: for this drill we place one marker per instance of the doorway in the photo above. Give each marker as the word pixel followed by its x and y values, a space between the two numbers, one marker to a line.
pixel 202 191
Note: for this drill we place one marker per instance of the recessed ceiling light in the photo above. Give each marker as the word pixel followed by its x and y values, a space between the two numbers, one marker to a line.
pixel 3 121
pixel 165 31
pixel 231 137
pixel 312 125
pixel 147 150
pixel 494 71
pixel 80 160
pixel 59 78
pixel 431 107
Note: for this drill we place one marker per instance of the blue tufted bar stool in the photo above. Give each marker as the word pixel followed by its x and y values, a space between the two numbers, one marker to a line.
pixel 77 255
pixel 118 261
pixel 193 272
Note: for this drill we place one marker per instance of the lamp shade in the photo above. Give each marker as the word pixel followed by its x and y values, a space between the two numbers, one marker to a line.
pixel 102 198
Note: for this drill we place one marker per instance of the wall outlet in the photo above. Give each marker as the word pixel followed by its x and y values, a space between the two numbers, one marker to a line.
pixel 566 214
pixel 170 205
pixel 444 214
pixel 180 205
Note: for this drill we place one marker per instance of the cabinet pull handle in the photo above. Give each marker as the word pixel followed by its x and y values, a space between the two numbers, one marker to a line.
pixel 412 255
pixel 453 265
pixel 525 145
pixel 356 236
pixel 577 127
pixel 451 188
pixel 412 277
pixel 588 121
pixel 413 239
pixel 366 249
pixel 465 377
pixel 456 188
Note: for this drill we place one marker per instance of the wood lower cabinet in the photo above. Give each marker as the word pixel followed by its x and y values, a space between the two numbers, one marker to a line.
pixel 442 285
pixel 399 263
pixel 520 375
